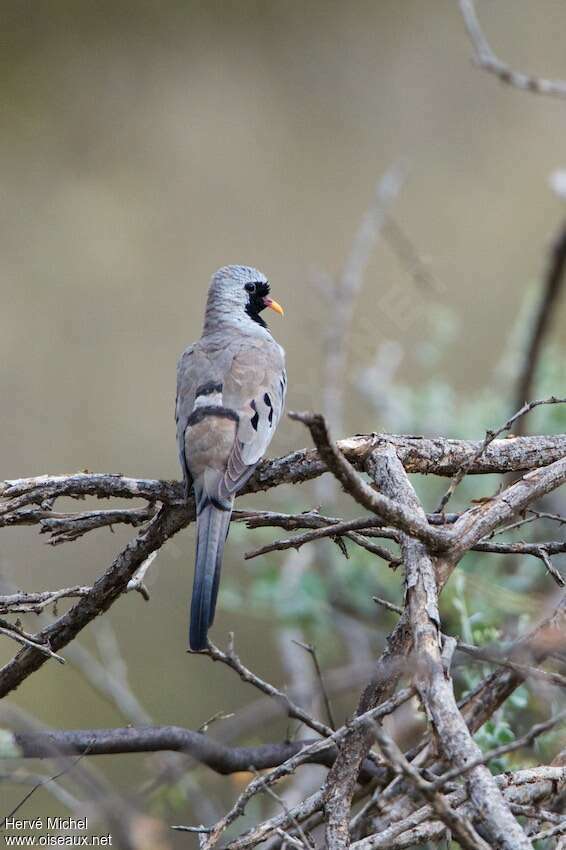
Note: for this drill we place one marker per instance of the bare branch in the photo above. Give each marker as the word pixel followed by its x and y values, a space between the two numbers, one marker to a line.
pixel 334 528
pixel 559 829
pixel 232 660
pixel 218 757
pixel 542 320
pixel 438 456
pixel 288 767
pixel 480 521
pixel 42 783
pixel 524 741
pixel 459 826
pixel 313 654
pixel 338 530
pixel 103 593
pixel 482 654
pixel 65 527
pixel 522 787
pixel 434 685
pixel 537 644
pixel 489 438
pixel 486 59
pixel 340 785
pixel 28 640
pixel 365 495
pixel 34 603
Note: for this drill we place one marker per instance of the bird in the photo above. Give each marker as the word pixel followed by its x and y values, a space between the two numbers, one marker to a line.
pixel 231 388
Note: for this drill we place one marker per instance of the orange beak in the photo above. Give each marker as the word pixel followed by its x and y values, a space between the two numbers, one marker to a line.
pixel 273 305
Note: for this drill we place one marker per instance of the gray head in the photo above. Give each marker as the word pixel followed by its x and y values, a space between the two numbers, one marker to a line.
pixel 236 296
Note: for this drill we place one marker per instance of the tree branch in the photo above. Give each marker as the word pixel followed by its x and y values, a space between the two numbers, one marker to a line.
pixel 435 456
pixel 218 757
pixel 524 408
pixel 387 509
pixel 433 683
pixel 486 59
pixel 232 660
pixel 100 597
pixel 520 787
pixel 458 824
pixel 550 293
pixel 479 522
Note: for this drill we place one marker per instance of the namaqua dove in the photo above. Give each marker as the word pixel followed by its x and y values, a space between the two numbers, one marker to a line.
pixel 231 387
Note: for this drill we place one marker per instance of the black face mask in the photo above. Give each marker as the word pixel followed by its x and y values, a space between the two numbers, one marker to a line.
pixel 256 301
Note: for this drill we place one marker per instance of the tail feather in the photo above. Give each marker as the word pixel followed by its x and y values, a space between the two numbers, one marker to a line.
pixel 217 572
pixel 212 529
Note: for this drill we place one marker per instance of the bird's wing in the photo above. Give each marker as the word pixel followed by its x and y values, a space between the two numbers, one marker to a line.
pixel 229 401
pixel 195 370
pixel 255 386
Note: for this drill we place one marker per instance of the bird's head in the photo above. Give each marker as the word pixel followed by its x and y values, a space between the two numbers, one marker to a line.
pixel 239 294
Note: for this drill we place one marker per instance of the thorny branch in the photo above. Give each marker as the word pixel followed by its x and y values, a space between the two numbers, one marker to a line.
pixel 430 545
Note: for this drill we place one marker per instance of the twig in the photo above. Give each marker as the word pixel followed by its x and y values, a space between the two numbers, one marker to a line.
pixel 524 741
pixel 546 308
pixel 536 813
pixel 31 641
pixel 232 660
pixel 458 825
pixel 305 842
pixel 218 715
pixel 386 508
pixel 477 707
pixel 288 767
pixel 533 516
pixel 542 551
pixel 67 527
pixel 137 580
pixel 342 296
pixel 490 436
pixel 438 456
pixel 327 704
pixel 334 528
pixel 559 829
pixel 530 786
pixel 40 784
pixel 389 606
pixel 477 523
pixel 482 655
pixel 551 569
pixel 345 529
pixel 103 593
pixel 22 603
pixel 486 59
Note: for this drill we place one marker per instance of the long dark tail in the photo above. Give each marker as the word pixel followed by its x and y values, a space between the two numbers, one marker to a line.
pixel 212 529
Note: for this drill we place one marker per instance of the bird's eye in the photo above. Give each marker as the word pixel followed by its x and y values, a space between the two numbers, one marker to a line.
pixel 250 287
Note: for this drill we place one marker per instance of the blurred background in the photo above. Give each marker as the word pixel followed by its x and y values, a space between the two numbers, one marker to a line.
pixel 144 144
